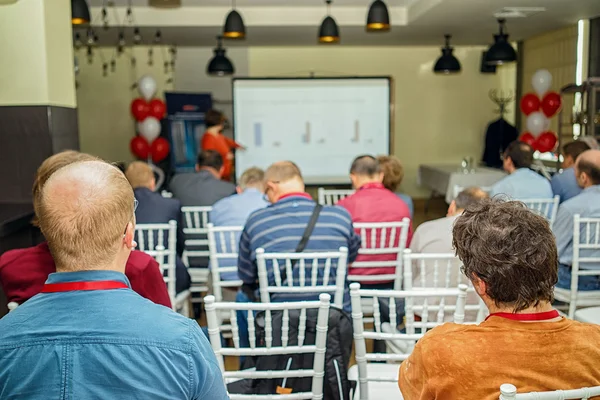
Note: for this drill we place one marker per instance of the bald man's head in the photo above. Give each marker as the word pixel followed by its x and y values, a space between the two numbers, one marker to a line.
pixel 281 178
pixel 587 168
pixel 84 209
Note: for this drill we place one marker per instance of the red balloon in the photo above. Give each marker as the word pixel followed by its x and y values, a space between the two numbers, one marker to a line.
pixel 140 109
pixel 546 142
pixel 551 104
pixel 530 103
pixel 140 147
pixel 160 149
pixel 157 109
pixel 527 138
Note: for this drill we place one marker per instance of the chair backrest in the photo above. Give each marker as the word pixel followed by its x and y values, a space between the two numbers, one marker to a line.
pixel 509 392
pixel 377 239
pixel 223 247
pixel 434 297
pixel 304 274
pixel 547 208
pixel 586 251
pixel 441 271
pixel 160 242
pixel 317 372
pixel 195 229
pixel 328 197
pixel 458 189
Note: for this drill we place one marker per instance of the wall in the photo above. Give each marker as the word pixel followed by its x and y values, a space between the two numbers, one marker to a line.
pixel 105 123
pixel 438 119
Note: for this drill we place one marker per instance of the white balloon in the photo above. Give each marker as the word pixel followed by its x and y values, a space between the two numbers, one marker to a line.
pixel 537 123
pixel 147 87
pixel 149 129
pixel 541 81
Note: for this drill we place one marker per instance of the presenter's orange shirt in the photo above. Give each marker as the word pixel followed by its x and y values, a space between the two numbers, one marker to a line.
pixel 222 145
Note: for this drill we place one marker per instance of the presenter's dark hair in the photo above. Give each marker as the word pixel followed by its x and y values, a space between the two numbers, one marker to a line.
pixel 365 165
pixel 213 118
pixel 520 153
pixel 210 158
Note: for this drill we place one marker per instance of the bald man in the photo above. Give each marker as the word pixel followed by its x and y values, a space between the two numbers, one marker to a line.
pixel 87 335
pixel 586 204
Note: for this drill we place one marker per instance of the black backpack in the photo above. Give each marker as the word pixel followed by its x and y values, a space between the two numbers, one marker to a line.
pixel 337 356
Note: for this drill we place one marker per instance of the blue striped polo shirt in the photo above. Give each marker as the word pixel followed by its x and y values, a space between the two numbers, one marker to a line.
pixel 279 228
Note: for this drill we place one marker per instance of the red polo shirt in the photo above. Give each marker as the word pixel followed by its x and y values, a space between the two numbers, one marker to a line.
pixel 374 203
pixel 23 273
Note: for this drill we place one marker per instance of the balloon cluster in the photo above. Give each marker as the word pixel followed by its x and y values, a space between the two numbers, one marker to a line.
pixel 148 112
pixel 539 111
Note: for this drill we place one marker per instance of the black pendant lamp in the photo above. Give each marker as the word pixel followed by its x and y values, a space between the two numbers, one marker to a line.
pixel 234 27
pixel 329 32
pixel 447 63
pixel 501 51
pixel 80 12
pixel 378 19
pixel 220 65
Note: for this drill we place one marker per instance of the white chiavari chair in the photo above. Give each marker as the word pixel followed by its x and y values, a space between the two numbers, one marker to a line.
pixel 509 392
pixel 272 346
pixel 329 197
pixel 547 208
pixel 384 376
pixel 317 272
pixel 586 250
pixel 12 306
pixel 195 229
pixel 223 242
pixel 151 239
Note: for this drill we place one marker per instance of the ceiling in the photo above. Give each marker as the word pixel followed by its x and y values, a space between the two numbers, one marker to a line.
pixel 284 23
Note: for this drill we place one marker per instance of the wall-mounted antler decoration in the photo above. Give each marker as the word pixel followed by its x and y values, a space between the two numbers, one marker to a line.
pixel 498 97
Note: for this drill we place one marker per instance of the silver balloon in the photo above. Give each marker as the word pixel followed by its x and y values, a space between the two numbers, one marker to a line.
pixel 147 87
pixel 149 128
pixel 537 123
pixel 541 82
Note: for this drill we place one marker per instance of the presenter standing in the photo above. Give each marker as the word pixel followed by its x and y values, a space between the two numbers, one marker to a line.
pixel 213 139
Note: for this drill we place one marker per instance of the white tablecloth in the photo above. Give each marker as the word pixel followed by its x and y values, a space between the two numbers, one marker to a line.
pixel 443 178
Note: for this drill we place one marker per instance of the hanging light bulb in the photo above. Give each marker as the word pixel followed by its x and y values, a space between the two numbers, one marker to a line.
pixel 90 37
pixel 447 63
pixel 80 12
pixel 150 57
pixel 501 51
pixel 137 36
pixel 121 43
pixel 113 65
pixel 378 18
pixel 90 55
pixel 104 18
pixel 77 42
pixel 329 32
pixel 220 65
pixel 234 27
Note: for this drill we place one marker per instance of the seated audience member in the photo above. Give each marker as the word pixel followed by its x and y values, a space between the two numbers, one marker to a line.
pixel 87 334
pixel 393 173
pixel 586 204
pixel 521 183
pixel 235 210
pixel 203 187
pixel 24 271
pixel 372 202
pixel 564 184
pixel 509 254
pixel 155 209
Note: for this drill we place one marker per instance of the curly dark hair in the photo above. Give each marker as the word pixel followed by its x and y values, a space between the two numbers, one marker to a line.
pixel 510 248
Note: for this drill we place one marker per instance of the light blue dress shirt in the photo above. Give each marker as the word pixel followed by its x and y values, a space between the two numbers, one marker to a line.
pixel 103 344
pixel 586 204
pixel 234 211
pixel 565 184
pixel 523 184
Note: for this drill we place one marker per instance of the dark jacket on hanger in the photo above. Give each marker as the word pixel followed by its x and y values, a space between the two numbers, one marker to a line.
pixel 498 136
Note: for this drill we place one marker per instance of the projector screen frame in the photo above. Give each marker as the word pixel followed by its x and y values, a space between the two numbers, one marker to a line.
pixel 390 108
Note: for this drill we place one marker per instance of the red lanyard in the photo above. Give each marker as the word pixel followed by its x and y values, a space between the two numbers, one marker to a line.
pixel 90 285
pixel 527 317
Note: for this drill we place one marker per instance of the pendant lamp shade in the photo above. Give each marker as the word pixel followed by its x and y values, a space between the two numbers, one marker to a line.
pixel 447 63
pixel 80 12
pixel 378 18
pixel 501 51
pixel 220 65
pixel 329 32
pixel 234 26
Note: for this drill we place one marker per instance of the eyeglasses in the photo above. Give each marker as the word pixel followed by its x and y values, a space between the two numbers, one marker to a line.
pixel 135 205
pixel 265 196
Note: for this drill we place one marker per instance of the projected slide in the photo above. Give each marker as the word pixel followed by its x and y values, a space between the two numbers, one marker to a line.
pixel 320 124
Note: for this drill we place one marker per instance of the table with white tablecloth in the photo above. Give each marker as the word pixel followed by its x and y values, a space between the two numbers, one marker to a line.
pixel 443 178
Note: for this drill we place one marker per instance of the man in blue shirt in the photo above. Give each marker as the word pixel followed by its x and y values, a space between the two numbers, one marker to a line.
pixel 586 204
pixel 564 184
pixel 234 210
pixel 87 335
pixel 522 183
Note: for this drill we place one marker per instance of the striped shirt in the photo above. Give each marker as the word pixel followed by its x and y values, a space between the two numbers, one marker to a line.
pixel 279 228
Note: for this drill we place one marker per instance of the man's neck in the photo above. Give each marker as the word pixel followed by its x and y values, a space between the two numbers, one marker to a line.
pixel 366 181
pixel 455 213
pixel 540 308
pixel 213 171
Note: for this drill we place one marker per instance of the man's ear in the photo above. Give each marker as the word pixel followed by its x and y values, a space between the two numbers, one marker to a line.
pixel 479 285
pixel 238 190
pixel 128 238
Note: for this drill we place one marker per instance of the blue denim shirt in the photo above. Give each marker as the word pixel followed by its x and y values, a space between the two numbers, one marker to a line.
pixel 103 344
pixel 565 184
pixel 523 184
